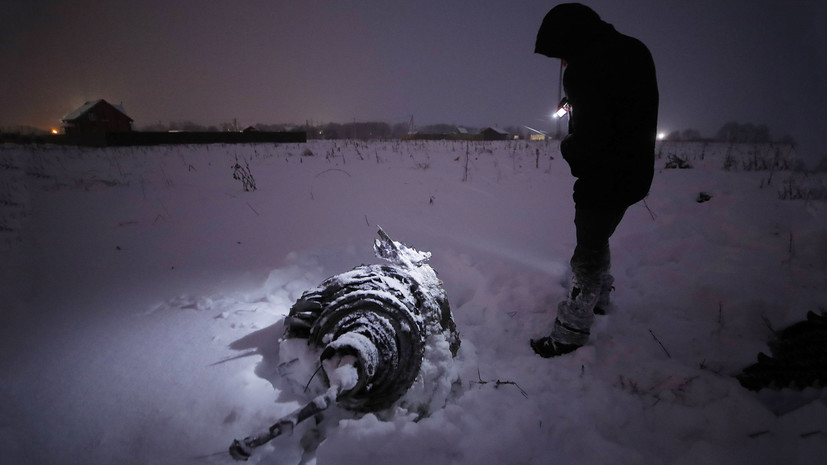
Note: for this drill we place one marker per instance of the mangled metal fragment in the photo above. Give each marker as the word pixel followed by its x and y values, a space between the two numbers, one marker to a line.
pixel 798 360
pixel 372 327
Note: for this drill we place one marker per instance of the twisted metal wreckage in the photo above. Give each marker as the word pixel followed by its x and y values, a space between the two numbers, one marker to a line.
pixel 373 327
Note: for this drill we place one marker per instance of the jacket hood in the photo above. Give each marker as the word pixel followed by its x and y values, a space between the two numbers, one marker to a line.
pixel 568 29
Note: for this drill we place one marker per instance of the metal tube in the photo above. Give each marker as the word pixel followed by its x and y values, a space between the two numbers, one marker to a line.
pixel 242 449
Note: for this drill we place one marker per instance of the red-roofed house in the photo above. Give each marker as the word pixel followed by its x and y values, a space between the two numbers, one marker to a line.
pixel 97 117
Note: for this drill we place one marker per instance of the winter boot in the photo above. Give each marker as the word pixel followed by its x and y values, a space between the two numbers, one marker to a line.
pixel 571 327
pixel 546 347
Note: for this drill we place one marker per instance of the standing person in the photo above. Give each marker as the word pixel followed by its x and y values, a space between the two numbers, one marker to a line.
pixel 612 99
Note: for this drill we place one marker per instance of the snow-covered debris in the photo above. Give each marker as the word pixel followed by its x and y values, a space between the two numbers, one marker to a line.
pixel 371 328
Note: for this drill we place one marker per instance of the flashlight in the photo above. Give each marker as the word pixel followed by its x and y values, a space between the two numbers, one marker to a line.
pixel 563 108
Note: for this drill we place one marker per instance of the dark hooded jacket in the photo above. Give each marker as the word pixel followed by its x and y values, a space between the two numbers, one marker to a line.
pixel 612 89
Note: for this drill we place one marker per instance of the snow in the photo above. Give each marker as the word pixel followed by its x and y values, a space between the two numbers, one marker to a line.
pixel 144 291
pixel 341 372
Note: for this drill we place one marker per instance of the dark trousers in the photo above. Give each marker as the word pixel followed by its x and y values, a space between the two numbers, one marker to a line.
pixel 591 260
pixel 591 279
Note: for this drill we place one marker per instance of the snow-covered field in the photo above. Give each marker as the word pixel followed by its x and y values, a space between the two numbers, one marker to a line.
pixel 143 294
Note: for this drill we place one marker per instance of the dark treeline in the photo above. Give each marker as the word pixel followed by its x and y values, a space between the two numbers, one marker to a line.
pixel 354 130
pixel 732 132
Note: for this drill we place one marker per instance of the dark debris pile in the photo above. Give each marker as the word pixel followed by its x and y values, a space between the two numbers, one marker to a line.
pixel 798 361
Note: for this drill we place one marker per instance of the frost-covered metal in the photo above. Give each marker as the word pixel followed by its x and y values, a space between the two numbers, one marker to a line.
pixel 372 328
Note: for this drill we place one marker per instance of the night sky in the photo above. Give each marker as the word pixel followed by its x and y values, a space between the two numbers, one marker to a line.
pixel 442 61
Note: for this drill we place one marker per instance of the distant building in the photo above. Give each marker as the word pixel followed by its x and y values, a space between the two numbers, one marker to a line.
pixel 441 132
pixel 97 117
pixel 536 134
pixel 493 134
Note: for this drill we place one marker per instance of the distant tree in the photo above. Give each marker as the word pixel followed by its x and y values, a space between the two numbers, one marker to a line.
pixel 365 131
pixel 332 131
pixel 400 129
pixel 312 131
pixel 729 132
pixel 25 130
pixel 760 133
pixel 438 129
pixel 736 132
pixel 186 126
pixel 175 126
pixel 674 135
pixel 787 140
pixel 514 131
pixel 691 135
pixel 157 127
pixel 269 127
